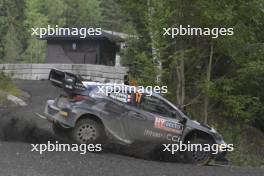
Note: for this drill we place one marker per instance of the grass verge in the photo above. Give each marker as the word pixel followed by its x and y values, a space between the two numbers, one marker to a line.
pixel 248 143
pixel 6 86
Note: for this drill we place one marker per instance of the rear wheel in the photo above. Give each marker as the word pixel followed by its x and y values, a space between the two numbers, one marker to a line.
pixel 199 157
pixel 88 131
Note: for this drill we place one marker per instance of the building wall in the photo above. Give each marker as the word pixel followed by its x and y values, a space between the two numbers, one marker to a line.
pixel 108 52
pixel 85 52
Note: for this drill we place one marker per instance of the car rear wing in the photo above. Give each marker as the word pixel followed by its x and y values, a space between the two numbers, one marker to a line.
pixel 67 81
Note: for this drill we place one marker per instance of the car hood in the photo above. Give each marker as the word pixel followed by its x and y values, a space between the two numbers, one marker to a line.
pixel 193 124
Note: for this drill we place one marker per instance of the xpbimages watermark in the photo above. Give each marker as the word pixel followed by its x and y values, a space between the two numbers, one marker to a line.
pixel 190 147
pixel 58 147
pixel 117 88
pixel 197 31
pixel 62 31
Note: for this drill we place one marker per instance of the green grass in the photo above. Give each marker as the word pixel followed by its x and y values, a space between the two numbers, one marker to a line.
pixel 7 86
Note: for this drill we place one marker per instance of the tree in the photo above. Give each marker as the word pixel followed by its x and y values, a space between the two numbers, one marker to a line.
pixel 198 69
pixel 83 13
pixel 35 18
pixel 12 46
pixel 231 51
pixel 56 12
pixel 3 27
pixel 11 22
pixel 113 18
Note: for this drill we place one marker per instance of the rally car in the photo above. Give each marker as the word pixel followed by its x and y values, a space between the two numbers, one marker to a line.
pixel 88 115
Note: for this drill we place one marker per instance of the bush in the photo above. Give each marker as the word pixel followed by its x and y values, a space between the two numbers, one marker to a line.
pixel 248 143
pixel 6 85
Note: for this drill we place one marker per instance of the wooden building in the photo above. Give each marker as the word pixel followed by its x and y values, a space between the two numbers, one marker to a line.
pixel 97 49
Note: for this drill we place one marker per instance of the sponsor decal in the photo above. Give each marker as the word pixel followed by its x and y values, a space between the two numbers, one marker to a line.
pixel 121 97
pixel 168 125
pixel 168 136
pixel 173 138
pixel 153 134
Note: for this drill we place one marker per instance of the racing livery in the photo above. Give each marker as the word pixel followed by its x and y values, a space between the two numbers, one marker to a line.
pixel 168 125
pixel 87 115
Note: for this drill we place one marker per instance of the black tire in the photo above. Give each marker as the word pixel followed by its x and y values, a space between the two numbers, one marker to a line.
pixel 199 157
pixel 88 131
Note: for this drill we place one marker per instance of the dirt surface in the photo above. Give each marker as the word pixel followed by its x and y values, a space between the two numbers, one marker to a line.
pixel 19 127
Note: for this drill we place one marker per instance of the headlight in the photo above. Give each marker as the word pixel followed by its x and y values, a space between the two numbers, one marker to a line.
pixel 63 102
pixel 213 130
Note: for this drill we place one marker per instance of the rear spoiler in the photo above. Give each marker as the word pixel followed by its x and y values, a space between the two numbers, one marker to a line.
pixel 68 81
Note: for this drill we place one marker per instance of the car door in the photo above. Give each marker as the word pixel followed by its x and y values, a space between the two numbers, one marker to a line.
pixel 114 121
pixel 154 120
pixel 122 119
pixel 137 122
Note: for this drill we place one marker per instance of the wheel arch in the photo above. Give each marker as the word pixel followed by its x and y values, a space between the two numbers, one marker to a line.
pixel 90 116
pixel 197 133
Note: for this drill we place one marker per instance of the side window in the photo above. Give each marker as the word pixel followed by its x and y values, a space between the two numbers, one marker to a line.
pixel 156 106
pixel 114 107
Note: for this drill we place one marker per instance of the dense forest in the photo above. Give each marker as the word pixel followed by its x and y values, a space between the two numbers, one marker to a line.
pixel 219 81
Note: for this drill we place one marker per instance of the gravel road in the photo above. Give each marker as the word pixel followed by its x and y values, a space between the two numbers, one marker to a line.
pixel 19 127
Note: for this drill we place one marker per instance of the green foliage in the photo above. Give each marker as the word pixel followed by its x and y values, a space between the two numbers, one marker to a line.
pixel 242 108
pixel 235 88
pixel 56 13
pixel 3 24
pixel 145 75
pixel 83 13
pixel 11 24
pixel 142 68
pixel 12 46
pixel 248 148
pixel 113 18
pixel 7 86
pixel 35 18
pixel 17 17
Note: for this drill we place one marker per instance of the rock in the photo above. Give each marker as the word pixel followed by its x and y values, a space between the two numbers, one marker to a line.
pixel 16 100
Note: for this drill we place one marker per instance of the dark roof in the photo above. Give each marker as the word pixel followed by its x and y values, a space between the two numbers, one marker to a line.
pixel 103 36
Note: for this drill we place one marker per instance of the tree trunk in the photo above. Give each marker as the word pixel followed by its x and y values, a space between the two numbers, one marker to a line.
pixel 208 79
pixel 180 83
pixel 182 79
pixel 155 58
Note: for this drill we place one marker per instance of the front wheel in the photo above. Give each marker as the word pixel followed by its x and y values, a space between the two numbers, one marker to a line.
pixel 88 131
pixel 199 156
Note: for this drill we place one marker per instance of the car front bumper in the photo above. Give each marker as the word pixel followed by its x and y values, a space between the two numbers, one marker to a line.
pixel 222 152
pixel 55 114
